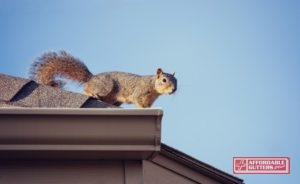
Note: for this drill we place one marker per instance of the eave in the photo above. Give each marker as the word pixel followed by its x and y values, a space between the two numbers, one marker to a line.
pixel 67 133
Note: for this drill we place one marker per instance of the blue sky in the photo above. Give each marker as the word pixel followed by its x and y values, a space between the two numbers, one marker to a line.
pixel 237 64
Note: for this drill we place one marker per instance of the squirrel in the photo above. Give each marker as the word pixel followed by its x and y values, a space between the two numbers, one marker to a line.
pixel 113 88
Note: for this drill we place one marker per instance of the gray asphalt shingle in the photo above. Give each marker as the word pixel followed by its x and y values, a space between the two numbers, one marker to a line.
pixel 19 92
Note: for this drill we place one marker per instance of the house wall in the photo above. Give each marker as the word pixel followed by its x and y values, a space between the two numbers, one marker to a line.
pixel 70 172
pixel 154 174
pixel 165 170
pixel 160 170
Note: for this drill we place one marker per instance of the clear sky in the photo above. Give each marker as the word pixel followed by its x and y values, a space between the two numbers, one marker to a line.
pixel 237 64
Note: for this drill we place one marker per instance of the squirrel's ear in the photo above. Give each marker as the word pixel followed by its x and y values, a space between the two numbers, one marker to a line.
pixel 159 71
pixel 173 74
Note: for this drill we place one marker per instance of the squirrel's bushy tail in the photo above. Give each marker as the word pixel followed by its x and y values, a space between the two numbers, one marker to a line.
pixel 52 64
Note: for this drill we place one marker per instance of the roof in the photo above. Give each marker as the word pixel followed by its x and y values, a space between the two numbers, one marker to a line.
pixel 197 165
pixel 53 132
pixel 19 92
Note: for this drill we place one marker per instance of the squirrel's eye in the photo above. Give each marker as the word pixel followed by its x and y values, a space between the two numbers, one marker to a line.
pixel 164 80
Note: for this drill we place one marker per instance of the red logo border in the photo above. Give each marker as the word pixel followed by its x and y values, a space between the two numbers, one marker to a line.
pixel 257 157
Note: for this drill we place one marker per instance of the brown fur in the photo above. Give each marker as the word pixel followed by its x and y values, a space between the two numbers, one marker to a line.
pixel 52 64
pixel 111 87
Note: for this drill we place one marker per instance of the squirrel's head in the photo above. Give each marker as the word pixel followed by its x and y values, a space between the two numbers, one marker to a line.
pixel 165 83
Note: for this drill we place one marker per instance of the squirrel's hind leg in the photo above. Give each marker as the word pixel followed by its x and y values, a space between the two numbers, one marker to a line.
pixel 99 85
pixel 102 87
